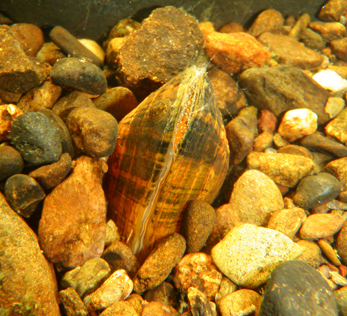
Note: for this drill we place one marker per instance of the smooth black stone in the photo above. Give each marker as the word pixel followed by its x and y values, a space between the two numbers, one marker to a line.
pixel 11 162
pixel 36 138
pixel 295 288
pixel 80 75
pixel 315 190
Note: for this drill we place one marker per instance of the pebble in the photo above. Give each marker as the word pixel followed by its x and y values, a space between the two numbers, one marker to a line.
pixel 137 302
pixel 159 263
pixel 28 278
pixel 230 99
pixel 94 132
pixel 85 279
pixel 197 270
pixel 226 287
pixel 332 10
pixel 11 162
pixel 330 31
pixel 50 53
pixel 116 288
pixel 51 175
pixel 73 304
pixel 158 309
pixel 118 101
pixel 120 309
pixel 73 222
pixel 311 39
pixel 299 26
pixel 235 52
pixel 279 141
pixel 341 300
pixel 36 138
pixel 312 254
pixel 249 253
pixel 18 72
pixel 23 193
pixel 8 113
pixel 113 50
pixel 263 142
pixel 338 168
pixel 197 223
pixel 341 244
pixel 334 106
pixel 329 252
pixel 112 233
pixel 164 293
pixel 297 123
pixel 269 20
pixel 339 48
pixel 337 128
pixel 330 80
pixel 321 226
pixel 283 169
pixel 119 256
pixel 231 27
pixel 7 97
pixel 267 121
pixel 315 190
pixel 80 75
pixel 198 303
pixel 291 52
pixel 95 48
pixel 295 150
pixel 300 284
pixel 286 88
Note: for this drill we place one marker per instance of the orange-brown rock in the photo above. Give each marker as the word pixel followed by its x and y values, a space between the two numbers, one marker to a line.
pixel 269 20
pixel 8 113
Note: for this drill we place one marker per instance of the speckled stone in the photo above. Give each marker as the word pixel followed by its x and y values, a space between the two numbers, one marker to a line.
pixel 158 309
pixel 73 304
pixel 122 308
pixel 198 303
pixel 11 162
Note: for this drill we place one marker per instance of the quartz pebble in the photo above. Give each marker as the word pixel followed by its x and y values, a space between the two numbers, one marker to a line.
pixel 269 20
pixel 297 123
pixel 337 128
pixel 330 80
pixel 73 304
pixel 8 113
pixel 312 254
pixel 198 303
pixel 248 254
pixel 11 162
pixel 303 286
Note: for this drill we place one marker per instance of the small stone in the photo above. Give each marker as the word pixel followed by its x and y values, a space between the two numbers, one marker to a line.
pixel 279 141
pixel 73 304
pixel 300 25
pixel 113 50
pixel 321 226
pixel 137 302
pixel 235 52
pixel 50 176
pixel 316 190
pixel 95 48
pixel 118 101
pixel 206 27
pixel 112 233
pixel 120 309
pixel 87 278
pixel 263 141
pixel 80 75
pixel 50 53
pixel 8 113
pixel 320 160
pixel 332 10
pixel 11 162
pixel 158 309
pixel 116 288
pixel 289 51
pixel 303 286
pixel 269 20
pixel 231 27
pixel 329 253
pixel 334 106
pixel 36 138
pixel 23 193
pixel 119 256
pixel 9 97
pixel 337 128
pixel 341 244
pixel 160 262
pixel 330 31
pixel 198 303
pixel 73 222
pixel 226 287
pixel 197 224
pixel 339 48
pixel 197 270
pixel 122 29
pixel 164 293
pixel 295 150
pixel 312 254
pixel 284 169
pixel 248 254
pixel 267 122
pixel 330 80
pixel 338 168
pixel 297 123
pixel 311 39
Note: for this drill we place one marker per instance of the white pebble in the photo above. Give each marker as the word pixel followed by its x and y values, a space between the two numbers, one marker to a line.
pixel 330 80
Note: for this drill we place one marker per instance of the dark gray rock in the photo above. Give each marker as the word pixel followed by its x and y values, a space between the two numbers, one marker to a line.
pixel 11 162
pixel 36 138
pixel 295 288
pixel 315 190
pixel 80 75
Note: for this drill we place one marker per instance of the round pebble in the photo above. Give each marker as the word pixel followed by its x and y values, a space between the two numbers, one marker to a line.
pixel 312 254
pixel 341 244
pixel 11 162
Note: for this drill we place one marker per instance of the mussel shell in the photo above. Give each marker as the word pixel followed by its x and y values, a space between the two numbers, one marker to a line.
pixel 171 149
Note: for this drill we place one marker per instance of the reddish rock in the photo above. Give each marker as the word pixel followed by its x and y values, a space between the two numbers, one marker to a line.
pixel 267 121
pixel 73 223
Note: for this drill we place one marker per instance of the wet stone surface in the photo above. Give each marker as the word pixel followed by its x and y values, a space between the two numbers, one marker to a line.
pixel 11 162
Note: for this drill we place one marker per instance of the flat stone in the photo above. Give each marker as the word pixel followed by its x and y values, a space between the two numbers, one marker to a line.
pixel 337 128
pixel 73 222
pixel 73 304
pixel 338 168
pixel 269 20
pixel 295 150
pixel 28 280
pixel 312 254
pixel 301 285
pixel 286 88
pixel 248 254
pixel 312 39
pixel 334 106
pixel 11 162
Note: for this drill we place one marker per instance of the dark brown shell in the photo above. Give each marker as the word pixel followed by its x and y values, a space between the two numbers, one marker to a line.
pixel 171 149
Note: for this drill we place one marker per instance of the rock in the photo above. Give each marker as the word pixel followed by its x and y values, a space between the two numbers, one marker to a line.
pixel 231 27
pixel 73 304
pixel 330 80
pixel 226 287
pixel 297 123
pixel 287 221
pixel 73 222
pixel 86 278
pixel 137 302
pixel 164 293
pixel 95 48
pixel 50 53
pixel 341 300
pixel 279 141
pixel 7 97
pixel 263 141
pixel 316 190
pixel 295 150
pixel 113 50
pixel 80 75
pixel 332 10
pixel 321 226
pixel 311 39
pixel 341 244
pixel 118 101
pixel 50 176
pixel 160 262
pixel 235 52
pixel 159 50
pixel 197 223
pixel 197 270
pixel 28 280
pixel 330 31
pixel 286 88
pixel 120 256
pixel 206 27
pixel 337 128
pixel 18 73
pixel 11 162
pixel 240 302
pixel 112 233
pixel 36 138
pixel 303 286
pixel 158 309
pixel 300 25
pixel 8 113
pixel 23 193
pixel 230 99
pixel 329 253
pixel 320 160
pixel 269 20
pixel 339 48
pixel 334 106
pixel 93 131
pixel 248 254
pixel 311 255
pixel 267 122
pixel 120 309
pixel 338 168
pixel 116 288
pixel 198 303
pixel 284 169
